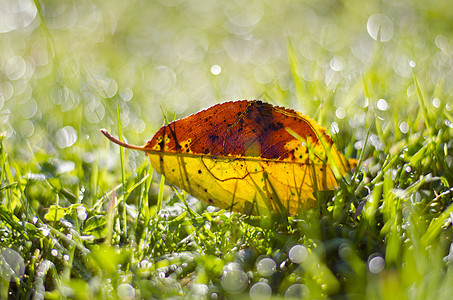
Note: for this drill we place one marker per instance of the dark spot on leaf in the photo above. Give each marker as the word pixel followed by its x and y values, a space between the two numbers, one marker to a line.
pixel 213 137
pixel 199 171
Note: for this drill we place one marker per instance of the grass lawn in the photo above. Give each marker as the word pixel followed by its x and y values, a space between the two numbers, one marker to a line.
pixel 82 219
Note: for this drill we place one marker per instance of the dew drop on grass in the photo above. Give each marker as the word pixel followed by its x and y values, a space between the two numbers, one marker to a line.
pixel 45 231
pixel 382 105
pixel 436 102
pixel 260 290
pixel 380 28
pixel 15 67
pixel 404 127
pixel 216 69
pixel 340 113
pixel 66 137
pixel 54 252
pixel 145 264
pixel 234 280
pixel 162 275
pixel 126 94
pixel 334 128
pixel 337 63
pixel 81 213
pixel 344 250
pixel 376 264
pixel 11 264
pixel 199 289
pixel 125 291
pixel 66 257
pixel 266 267
pixel 297 291
pixel 297 254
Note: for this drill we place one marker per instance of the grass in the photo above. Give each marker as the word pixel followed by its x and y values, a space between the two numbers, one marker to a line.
pixel 80 219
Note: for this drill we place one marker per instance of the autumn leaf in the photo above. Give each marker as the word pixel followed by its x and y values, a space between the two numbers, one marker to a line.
pixel 247 156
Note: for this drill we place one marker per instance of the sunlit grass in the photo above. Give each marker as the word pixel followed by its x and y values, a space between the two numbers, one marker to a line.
pixel 80 219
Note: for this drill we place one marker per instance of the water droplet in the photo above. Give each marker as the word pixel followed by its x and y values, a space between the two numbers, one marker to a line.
pixel 35 220
pixel 216 69
pixel 199 289
pixel 66 257
pixel 94 111
pixel 54 252
pixel 345 250
pixel 126 94
pixel 404 127
pixel 297 291
pixel 15 67
pixel 45 231
pixel 11 264
pixel 65 167
pixel 125 291
pixel 334 127
pixel 144 264
pixel 17 15
pixel 6 90
pixel 66 137
pixel 436 102
pixel 340 113
pixel 376 264
pixel 266 267
pixel 260 290
pixel 234 280
pixel 29 109
pixel 81 213
pixel 26 128
pixel 337 63
pixel 297 254
pixel 380 28
pixel 412 64
pixel 382 104
pixel 407 168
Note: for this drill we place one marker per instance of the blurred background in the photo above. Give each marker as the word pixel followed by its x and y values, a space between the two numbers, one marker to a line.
pixel 67 67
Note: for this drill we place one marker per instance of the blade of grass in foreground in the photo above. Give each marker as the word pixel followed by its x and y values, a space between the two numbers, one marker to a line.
pixel 123 172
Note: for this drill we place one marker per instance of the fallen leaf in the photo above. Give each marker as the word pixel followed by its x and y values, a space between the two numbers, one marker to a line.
pixel 247 156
